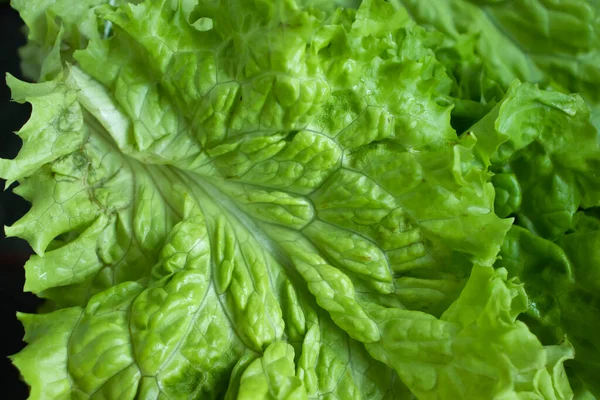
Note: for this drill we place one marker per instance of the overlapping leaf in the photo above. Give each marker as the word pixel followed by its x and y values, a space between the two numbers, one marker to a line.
pixel 556 44
pixel 269 202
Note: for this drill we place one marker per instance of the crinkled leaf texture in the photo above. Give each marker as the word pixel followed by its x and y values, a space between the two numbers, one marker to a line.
pixel 259 199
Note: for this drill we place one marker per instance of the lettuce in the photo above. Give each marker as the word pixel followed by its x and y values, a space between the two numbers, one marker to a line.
pixel 269 200
pixel 555 44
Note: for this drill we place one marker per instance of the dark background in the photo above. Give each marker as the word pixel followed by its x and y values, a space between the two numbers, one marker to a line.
pixel 13 252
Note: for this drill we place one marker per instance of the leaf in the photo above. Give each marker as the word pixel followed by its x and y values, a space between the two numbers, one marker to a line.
pixel 562 282
pixel 554 44
pixel 545 152
pixel 55 29
pixel 264 208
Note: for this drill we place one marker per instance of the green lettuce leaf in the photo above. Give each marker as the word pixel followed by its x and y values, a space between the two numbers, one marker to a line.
pixel 262 199
pixel 556 44
pixel 562 281
pixel 55 29
pixel 545 154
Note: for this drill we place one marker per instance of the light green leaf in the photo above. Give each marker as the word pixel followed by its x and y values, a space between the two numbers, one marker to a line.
pixel 458 347
pixel 272 376
pixel 43 362
pixel 55 29
pixel 56 128
pixel 265 208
